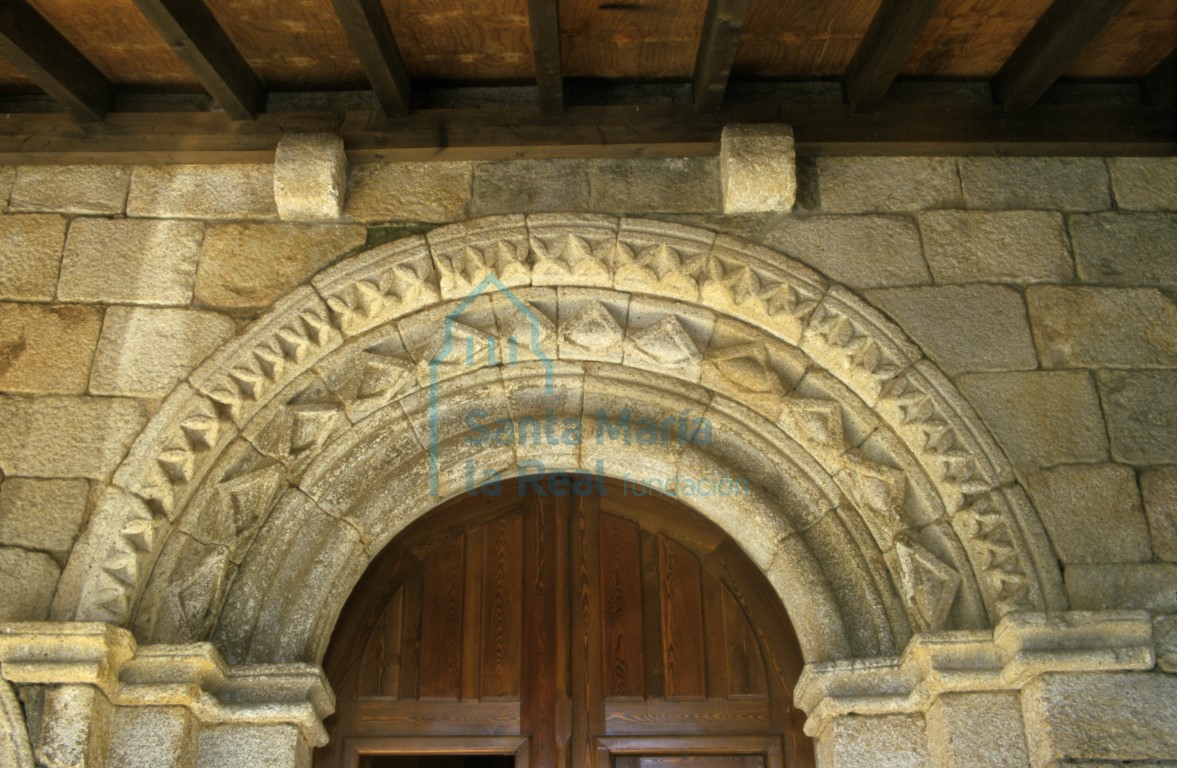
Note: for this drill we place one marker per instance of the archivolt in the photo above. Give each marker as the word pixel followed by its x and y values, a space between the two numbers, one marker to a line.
pixel 878 505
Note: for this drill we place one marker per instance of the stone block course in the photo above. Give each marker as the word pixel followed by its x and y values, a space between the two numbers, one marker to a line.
pixel 860 251
pixel 1159 488
pixel 29 579
pixel 30 256
pixel 879 184
pixel 894 741
pixel 977 729
pixel 655 184
pixel 996 246
pixel 529 186
pixel 1050 183
pixel 129 261
pixel 432 192
pixel 757 168
pixel 1141 411
pixel 46 348
pixel 1122 586
pixel 251 265
pixel 66 436
pixel 1144 183
pixel 81 189
pixel 310 177
pixel 202 192
pixel 963 328
pixel 44 515
pixel 1040 417
pixel 1092 513
pixel 1103 327
pixel 1125 248
pixel 7 177
pixel 144 351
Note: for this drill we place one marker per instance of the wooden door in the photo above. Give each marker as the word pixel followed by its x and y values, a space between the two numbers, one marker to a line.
pixel 538 627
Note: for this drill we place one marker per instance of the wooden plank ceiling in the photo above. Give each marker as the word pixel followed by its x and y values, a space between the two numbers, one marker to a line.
pixel 205 79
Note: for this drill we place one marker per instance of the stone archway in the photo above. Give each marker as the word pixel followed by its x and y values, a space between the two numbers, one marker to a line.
pixel 878 504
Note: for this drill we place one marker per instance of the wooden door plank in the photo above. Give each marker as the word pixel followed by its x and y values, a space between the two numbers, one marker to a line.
pixel 192 31
pixel 441 622
pixel 472 615
pixel 502 616
pixel 684 718
pixel 410 655
pixel 715 640
pixel 682 616
pixel 44 56
pixel 588 715
pixel 1048 50
pixel 544 18
pixel 717 52
pixel 621 607
pixel 655 682
pixel 368 31
pixel 893 33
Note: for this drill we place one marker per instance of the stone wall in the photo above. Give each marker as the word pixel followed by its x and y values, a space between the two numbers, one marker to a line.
pixel 1043 287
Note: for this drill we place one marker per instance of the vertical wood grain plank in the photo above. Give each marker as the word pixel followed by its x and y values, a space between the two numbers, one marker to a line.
pixel 682 616
pixel 621 607
pixel 652 618
pixel 715 639
pixel 441 622
pixel 472 615
pixel 502 608
pixel 588 715
pixel 410 646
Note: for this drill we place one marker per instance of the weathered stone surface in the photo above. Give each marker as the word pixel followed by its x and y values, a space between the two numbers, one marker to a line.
pixel 130 262
pixel 1128 716
pixel 977 730
pixel 1110 586
pixel 1000 246
pixel 1092 513
pixel 76 727
pixel 434 192
pixel 47 349
pixel 152 737
pixel 1159 488
pixel 1126 248
pixel 1040 417
pixel 889 741
pixel 66 436
pixel 310 177
pixel 42 514
pixel 860 251
pixel 1054 183
pixel 963 328
pixel 654 184
pixel 1144 183
pixel 757 168
pixel 244 746
pixel 875 184
pixel 529 186
pixel 7 178
pixel 202 192
pixel 251 265
pixel 1164 630
pixel 1141 412
pixel 143 352
pixel 1103 327
pixel 71 188
pixel 29 579
pixel 30 256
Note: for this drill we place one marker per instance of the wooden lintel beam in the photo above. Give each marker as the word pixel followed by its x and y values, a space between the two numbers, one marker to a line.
pixel 192 31
pixel 544 18
pixel 38 50
pixel 1160 86
pixel 1049 49
pixel 370 34
pixel 893 33
pixel 717 52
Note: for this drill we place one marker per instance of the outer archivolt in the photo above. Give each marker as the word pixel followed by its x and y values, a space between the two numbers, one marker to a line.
pixel 253 501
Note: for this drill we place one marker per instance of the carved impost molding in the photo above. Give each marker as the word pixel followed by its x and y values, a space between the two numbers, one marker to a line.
pixel 1023 647
pixel 193 676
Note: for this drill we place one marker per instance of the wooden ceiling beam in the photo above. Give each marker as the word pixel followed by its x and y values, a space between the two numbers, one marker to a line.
pixel 893 33
pixel 544 18
pixel 46 58
pixel 191 30
pixel 1049 49
pixel 717 52
pixel 370 34
pixel 1160 86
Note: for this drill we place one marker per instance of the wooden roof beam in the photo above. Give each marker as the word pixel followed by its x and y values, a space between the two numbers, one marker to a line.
pixel 544 18
pixel 1049 49
pixel 32 45
pixel 1160 86
pixel 192 31
pixel 893 33
pixel 371 39
pixel 717 52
